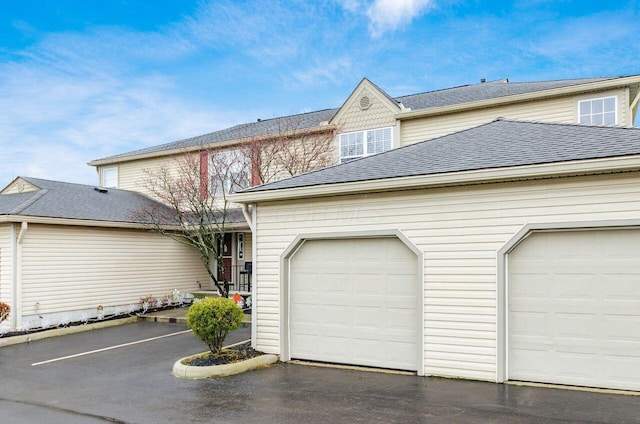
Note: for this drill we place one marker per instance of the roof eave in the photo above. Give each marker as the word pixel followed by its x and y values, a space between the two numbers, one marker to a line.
pixel 516 98
pixel 97 223
pixel 483 176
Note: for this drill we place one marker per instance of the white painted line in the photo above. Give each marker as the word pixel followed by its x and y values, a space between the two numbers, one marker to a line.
pixel 110 348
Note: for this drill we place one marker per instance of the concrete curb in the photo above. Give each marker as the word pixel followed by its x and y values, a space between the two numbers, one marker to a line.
pixel 187 371
pixel 8 341
pixel 179 320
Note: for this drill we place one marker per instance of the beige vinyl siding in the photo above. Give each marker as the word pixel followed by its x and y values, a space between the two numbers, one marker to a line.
pixel 132 175
pixel 562 110
pixel 70 268
pixel 460 231
pixel 379 114
pixel 5 263
pixel 19 186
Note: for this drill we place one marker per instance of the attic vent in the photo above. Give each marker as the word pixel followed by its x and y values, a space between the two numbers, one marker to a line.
pixel 365 102
pixel 101 189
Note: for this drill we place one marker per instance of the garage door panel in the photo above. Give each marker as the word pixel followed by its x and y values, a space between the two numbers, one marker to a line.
pixel 576 320
pixel 364 296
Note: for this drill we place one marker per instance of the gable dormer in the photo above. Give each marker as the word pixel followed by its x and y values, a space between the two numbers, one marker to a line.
pixel 366 123
pixel 19 185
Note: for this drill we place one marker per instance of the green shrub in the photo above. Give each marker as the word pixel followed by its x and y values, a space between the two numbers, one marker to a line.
pixel 4 311
pixel 212 319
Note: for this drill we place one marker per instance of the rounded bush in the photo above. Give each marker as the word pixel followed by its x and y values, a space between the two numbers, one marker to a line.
pixel 212 319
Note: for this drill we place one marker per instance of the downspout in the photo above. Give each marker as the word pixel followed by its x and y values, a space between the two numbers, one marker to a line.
pixel 254 291
pixel 633 105
pixel 246 211
pixel 16 313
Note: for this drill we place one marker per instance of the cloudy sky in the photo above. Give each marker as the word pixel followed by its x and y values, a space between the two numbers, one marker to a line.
pixel 81 80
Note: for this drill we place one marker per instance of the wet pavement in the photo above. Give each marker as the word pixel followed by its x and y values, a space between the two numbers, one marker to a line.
pixel 132 383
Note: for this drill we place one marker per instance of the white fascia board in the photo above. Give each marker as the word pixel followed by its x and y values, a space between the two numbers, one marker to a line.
pixel 559 169
pixel 104 224
pixel 516 98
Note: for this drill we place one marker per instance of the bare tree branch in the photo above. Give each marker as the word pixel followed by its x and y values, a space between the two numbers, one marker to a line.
pixel 195 187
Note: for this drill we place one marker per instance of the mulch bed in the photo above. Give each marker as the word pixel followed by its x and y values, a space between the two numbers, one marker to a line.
pixel 227 356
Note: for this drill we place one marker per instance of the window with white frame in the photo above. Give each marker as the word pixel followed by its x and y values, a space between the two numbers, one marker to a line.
pixel 363 143
pixel 229 171
pixel 600 111
pixel 109 177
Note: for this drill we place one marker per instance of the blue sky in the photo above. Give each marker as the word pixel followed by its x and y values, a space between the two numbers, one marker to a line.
pixel 81 80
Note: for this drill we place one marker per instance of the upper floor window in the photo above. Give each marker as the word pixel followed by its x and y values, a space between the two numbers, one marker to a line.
pixel 109 177
pixel 229 171
pixel 362 143
pixel 600 111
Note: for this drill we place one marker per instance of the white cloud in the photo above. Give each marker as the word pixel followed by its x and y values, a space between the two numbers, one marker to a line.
pixel 389 15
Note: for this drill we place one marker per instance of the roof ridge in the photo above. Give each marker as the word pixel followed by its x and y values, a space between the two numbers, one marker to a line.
pixel 30 201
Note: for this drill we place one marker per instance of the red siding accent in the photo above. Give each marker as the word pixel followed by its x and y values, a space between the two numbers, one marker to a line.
pixel 204 174
pixel 255 163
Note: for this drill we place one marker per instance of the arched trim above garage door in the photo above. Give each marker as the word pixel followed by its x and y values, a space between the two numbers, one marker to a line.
pixel 502 267
pixel 285 268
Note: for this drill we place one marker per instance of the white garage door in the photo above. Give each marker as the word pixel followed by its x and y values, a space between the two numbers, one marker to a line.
pixel 354 301
pixel 574 309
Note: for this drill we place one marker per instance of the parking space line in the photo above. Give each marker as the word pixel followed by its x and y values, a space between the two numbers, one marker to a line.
pixel 110 348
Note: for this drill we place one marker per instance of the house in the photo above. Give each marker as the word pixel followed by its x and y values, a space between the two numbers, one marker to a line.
pixel 488 231
pixel 370 122
pixel 509 251
pixel 71 252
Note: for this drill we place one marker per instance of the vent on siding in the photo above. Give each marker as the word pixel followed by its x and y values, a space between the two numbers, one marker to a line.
pixel 365 102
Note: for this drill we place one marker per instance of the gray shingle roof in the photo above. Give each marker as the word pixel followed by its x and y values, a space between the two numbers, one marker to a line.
pixel 57 199
pixel 500 143
pixel 484 91
pixel 427 100
pixel 252 129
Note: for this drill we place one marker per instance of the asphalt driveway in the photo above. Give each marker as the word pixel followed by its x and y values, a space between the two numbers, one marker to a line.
pixel 132 383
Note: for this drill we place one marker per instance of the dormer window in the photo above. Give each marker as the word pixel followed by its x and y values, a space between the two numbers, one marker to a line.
pixel 109 177
pixel 363 143
pixel 600 111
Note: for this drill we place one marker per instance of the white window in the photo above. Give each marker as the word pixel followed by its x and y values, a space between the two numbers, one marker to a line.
pixel 362 143
pixel 109 177
pixel 600 111
pixel 229 171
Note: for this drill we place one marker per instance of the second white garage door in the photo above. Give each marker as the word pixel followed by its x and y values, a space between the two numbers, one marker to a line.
pixel 574 309
pixel 355 301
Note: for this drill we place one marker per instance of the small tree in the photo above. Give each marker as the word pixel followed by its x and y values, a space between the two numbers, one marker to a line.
pixel 195 187
pixel 4 311
pixel 290 150
pixel 212 319
pixel 198 210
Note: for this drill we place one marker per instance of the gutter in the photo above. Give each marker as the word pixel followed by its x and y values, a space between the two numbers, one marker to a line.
pixel 633 105
pixel 554 92
pixel 482 176
pixel 93 223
